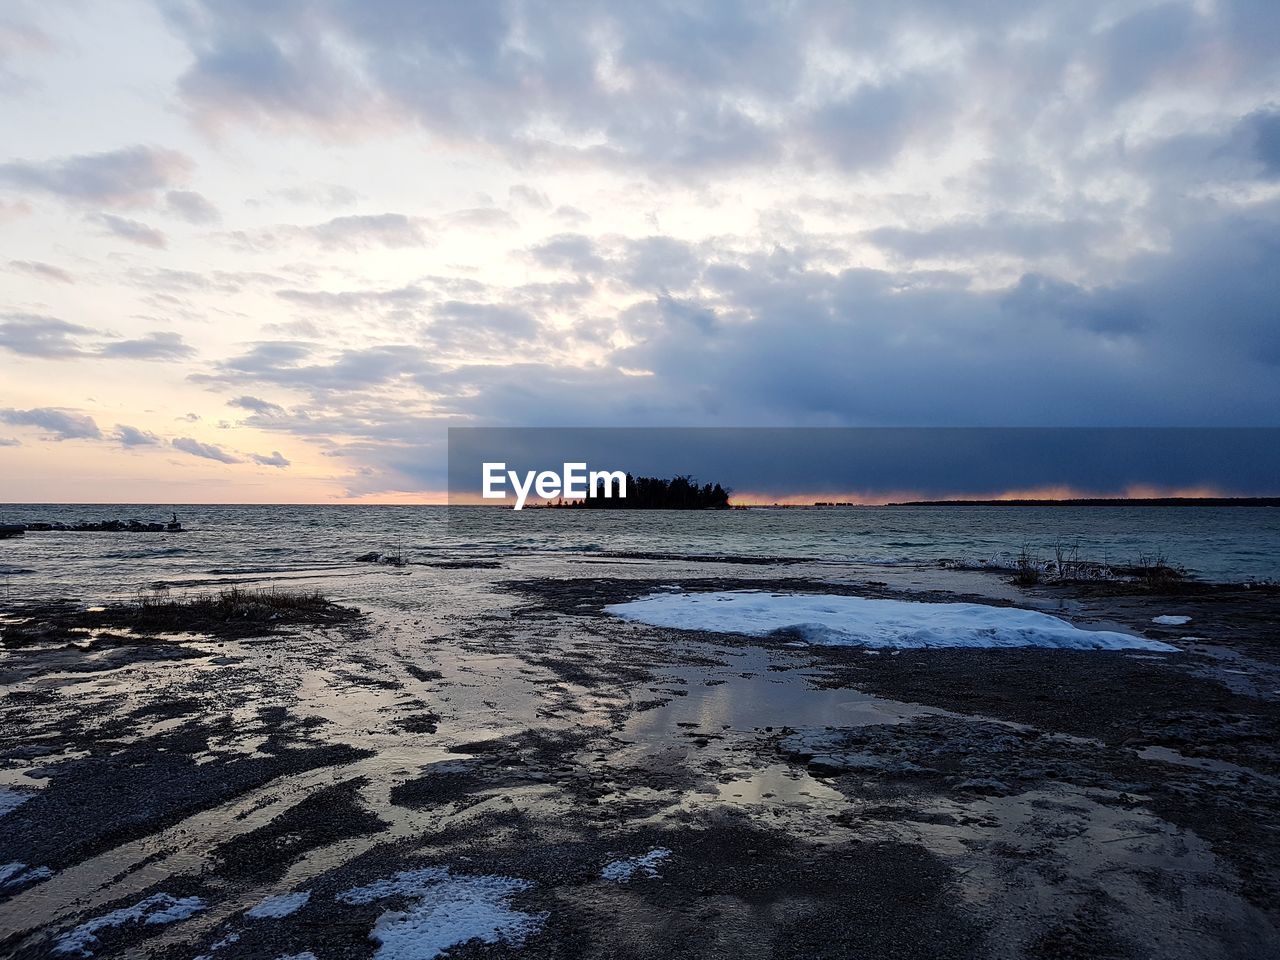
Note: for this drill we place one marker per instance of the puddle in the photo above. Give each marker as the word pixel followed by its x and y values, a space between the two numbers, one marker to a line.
pixel 1167 755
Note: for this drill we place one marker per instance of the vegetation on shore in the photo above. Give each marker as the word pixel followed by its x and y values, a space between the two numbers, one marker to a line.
pixel 1068 566
pixel 232 612
pixel 156 609
pixel 654 493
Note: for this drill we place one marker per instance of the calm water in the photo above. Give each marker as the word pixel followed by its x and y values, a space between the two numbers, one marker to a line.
pixel 279 541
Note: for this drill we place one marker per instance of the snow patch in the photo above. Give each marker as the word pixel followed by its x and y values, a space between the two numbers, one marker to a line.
pixel 861 621
pixel 620 871
pixel 444 910
pixel 226 941
pixel 11 800
pixel 279 906
pixel 305 955
pixel 1170 621
pixel 156 909
pixel 19 875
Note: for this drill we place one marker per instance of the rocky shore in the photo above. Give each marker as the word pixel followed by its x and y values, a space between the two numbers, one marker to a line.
pixel 484 763
pixel 104 526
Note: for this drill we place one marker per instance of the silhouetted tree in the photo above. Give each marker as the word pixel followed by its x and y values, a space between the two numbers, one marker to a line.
pixel 652 493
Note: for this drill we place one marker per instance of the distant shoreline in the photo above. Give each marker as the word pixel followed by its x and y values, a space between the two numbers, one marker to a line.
pixel 1102 502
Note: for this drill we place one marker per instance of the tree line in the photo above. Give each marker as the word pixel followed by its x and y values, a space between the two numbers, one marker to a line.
pixel 654 493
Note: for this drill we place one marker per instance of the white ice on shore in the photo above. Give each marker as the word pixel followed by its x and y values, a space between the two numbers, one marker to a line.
pixel 156 909
pixel 19 875
pixel 620 871
pixel 11 799
pixel 444 910
pixel 278 906
pixel 226 941
pixel 862 621
pixel 1169 620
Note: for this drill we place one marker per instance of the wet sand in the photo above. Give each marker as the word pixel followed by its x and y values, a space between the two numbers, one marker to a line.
pixel 483 753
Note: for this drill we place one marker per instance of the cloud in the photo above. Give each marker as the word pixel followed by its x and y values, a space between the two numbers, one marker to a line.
pixel 345 300
pixel 10 442
pixel 353 232
pixel 1264 127
pixel 521 194
pixel 275 460
pixel 133 231
pixel 157 345
pixel 30 335
pixel 49 338
pixel 482 218
pixel 61 424
pixel 569 251
pixel 207 451
pixel 456 319
pixel 45 271
pixel 133 437
pixel 14 211
pixel 128 177
pixel 255 405
pixel 279 363
pixel 357 231
pixel 191 206
pixel 791 213
pixel 317 194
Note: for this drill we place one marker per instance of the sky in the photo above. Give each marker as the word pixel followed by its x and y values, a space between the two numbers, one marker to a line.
pixel 271 252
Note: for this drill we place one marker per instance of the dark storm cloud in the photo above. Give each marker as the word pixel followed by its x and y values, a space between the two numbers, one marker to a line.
pixel 1028 236
pixel 454 68
pixel 59 424
pixel 206 451
pixel 1264 128
pixel 870 126
pixel 701 87
pixel 1037 298
pixel 129 177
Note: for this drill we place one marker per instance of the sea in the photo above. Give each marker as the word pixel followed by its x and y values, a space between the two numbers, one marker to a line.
pixel 262 545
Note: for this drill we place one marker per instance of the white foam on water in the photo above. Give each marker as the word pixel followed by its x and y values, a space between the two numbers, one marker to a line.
pixel 156 909
pixel 620 871
pixel 278 906
pixel 444 911
pixel 836 620
pixel 1169 620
